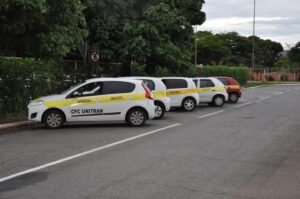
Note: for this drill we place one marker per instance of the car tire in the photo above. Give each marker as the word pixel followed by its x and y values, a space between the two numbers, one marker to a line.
pixel 188 104
pixel 233 98
pixel 136 117
pixel 160 110
pixel 218 101
pixel 54 119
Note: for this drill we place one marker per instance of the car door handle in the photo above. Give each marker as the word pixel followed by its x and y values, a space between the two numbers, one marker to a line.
pixel 213 90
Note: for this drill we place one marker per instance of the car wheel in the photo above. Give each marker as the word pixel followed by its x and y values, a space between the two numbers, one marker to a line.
pixel 218 101
pixel 188 104
pixel 233 98
pixel 159 110
pixel 136 117
pixel 54 119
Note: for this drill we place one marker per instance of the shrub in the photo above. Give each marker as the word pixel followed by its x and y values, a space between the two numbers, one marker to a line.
pixel 241 74
pixel 162 72
pixel 284 78
pixel 22 80
pixel 270 78
pixel 138 70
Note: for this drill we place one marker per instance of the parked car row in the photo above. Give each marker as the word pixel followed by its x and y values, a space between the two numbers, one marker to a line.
pixel 131 99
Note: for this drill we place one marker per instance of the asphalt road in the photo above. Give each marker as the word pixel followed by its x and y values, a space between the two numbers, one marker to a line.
pixel 247 150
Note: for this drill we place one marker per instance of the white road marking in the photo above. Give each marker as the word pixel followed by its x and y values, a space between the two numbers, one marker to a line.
pixel 210 114
pixel 277 93
pixel 241 105
pixel 264 98
pixel 85 153
pixel 253 87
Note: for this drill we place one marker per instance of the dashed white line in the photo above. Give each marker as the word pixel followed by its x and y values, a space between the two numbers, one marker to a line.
pixel 264 98
pixel 277 93
pixel 241 105
pixel 253 87
pixel 210 114
pixel 84 153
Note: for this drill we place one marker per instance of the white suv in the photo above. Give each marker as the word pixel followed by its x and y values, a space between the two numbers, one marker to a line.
pixel 159 91
pixel 211 91
pixel 100 99
pixel 182 92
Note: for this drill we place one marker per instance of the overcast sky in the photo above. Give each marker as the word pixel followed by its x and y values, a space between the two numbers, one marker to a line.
pixel 278 20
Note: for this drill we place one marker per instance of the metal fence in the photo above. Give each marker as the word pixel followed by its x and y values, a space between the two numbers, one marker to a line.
pixel 275 74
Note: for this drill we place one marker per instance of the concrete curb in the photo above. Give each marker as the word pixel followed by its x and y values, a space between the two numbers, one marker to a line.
pixel 15 124
pixel 272 84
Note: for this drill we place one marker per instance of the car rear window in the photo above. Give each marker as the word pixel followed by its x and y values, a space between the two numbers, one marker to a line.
pixel 175 83
pixel 205 83
pixel 149 83
pixel 115 87
pixel 224 81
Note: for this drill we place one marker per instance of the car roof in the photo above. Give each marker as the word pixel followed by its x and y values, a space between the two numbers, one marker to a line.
pixel 210 78
pixel 141 77
pixel 112 79
pixel 185 78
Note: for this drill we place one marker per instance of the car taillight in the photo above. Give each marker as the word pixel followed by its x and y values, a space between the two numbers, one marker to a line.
pixel 148 92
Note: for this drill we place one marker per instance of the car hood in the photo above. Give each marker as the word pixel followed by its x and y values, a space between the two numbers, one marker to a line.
pixel 51 97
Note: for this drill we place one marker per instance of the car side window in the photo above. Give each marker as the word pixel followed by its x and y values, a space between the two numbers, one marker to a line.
pixel 224 81
pixel 206 83
pixel 117 87
pixel 90 89
pixel 175 83
pixel 149 83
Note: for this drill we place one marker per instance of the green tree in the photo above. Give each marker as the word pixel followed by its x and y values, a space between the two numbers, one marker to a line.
pixel 210 49
pixel 267 52
pixel 294 53
pixel 40 28
pixel 162 36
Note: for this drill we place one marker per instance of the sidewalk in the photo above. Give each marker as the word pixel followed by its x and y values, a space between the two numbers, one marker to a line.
pixel 15 124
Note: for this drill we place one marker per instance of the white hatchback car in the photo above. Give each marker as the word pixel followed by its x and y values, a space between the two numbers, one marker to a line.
pixel 182 92
pixel 159 91
pixel 100 99
pixel 211 91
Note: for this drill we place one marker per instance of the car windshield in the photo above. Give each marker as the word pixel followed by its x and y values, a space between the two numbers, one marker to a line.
pixel 71 88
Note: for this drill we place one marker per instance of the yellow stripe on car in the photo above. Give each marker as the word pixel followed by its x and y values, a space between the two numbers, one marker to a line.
pixel 94 100
pixel 181 91
pixel 211 89
pixel 234 86
pixel 157 94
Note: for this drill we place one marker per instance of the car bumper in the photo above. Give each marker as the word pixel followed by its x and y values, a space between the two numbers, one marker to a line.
pixel 35 113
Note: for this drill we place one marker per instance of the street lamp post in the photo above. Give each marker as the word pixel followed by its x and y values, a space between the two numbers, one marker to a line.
pixel 253 39
pixel 196 46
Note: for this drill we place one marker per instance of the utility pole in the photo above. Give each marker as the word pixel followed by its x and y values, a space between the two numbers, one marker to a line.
pixel 253 35
pixel 196 46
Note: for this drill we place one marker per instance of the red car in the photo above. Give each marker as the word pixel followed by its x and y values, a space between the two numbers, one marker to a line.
pixel 233 88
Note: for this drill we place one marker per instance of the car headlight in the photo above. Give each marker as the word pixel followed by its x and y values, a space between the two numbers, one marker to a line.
pixel 37 103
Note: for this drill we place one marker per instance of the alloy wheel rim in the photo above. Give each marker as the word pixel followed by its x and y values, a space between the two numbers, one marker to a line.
pixel 158 111
pixel 137 118
pixel 233 97
pixel 219 101
pixel 189 104
pixel 54 120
